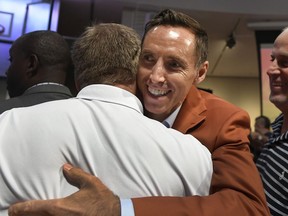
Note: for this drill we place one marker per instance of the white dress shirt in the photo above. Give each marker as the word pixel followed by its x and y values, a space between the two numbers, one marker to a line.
pixel 103 131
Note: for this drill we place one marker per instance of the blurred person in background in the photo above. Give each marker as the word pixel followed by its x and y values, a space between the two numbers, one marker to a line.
pixel 39 65
pixel 260 135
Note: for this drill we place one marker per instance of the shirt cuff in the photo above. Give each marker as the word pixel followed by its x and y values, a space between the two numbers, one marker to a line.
pixel 127 207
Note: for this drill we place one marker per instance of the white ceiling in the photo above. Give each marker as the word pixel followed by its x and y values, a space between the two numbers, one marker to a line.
pixel 220 18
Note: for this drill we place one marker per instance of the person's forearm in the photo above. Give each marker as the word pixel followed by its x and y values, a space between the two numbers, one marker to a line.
pixel 222 203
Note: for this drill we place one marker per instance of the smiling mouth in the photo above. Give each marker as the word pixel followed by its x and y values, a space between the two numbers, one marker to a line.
pixel 158 92
pixel 279 84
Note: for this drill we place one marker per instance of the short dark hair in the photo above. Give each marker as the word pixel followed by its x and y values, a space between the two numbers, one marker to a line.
pixel 50 47
pixel 265 120
pixel 170 17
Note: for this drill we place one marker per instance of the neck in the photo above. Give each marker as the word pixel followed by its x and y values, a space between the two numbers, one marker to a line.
pixel 156 117
pixel 131 88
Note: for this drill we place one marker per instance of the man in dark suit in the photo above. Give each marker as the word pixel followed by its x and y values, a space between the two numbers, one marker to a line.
pixel 40 63
pixel 173 61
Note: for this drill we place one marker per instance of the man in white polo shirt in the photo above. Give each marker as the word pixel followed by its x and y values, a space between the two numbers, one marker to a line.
pixel 102 130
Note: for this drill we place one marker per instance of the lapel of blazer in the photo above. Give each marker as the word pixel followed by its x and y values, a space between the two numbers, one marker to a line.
pixel 189 115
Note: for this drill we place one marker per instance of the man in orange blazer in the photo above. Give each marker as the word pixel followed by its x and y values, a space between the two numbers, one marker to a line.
pixel 173 61
pixel 236 188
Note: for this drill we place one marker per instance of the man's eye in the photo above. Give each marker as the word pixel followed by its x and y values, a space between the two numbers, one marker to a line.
pixel 283 64
pixel 148 58
pixel 174 64
pixel 272 58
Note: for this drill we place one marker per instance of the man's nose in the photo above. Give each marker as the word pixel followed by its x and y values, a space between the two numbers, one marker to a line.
pixel 158 73
pixel 273 68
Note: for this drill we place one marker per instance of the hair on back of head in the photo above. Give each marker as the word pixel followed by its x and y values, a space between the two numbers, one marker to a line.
pixel 106 53
pixel 264 120
pixel 49 46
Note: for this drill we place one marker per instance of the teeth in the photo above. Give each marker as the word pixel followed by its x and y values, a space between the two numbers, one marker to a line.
pixel 157 92
pixel 279 84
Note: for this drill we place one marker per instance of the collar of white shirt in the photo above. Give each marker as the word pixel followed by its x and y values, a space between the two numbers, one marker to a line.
pixel 168 122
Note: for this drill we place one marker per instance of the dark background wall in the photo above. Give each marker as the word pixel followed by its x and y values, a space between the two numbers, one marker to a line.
pixel 76 15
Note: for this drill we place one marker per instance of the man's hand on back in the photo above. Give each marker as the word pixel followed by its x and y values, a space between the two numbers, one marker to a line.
pixel 93 198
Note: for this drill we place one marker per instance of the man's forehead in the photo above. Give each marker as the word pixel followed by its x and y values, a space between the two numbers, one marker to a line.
pixel 281 44
pixel 282 38
pixel 178 35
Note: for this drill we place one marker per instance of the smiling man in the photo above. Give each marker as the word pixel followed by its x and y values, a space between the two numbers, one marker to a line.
pixel 173 61
pixel 272 162
pixel 167 69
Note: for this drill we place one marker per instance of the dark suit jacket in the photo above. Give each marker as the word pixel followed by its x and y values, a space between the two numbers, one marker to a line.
pixel 236 188
pixel 36 95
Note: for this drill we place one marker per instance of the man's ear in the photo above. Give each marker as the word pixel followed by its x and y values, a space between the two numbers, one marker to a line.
pixel 202 73
pixel 33 64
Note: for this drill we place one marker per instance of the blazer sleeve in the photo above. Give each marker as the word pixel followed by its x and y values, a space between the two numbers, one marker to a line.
pixel 236 187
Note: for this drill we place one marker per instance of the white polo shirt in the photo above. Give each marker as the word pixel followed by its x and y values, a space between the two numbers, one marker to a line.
pixel 104 132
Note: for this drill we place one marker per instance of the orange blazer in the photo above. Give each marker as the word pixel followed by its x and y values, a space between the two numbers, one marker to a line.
pixel 236 188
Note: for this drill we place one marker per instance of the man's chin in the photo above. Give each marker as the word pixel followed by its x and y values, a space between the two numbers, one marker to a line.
pixel 156 113
pixel 279 99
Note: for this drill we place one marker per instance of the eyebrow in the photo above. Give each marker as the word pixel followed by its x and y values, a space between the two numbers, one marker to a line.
pixel 182 63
